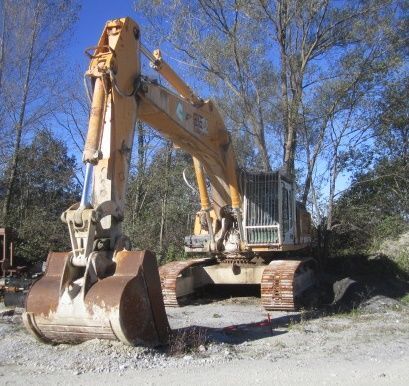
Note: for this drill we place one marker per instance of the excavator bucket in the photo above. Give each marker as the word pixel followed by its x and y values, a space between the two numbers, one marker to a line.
pixel 120 301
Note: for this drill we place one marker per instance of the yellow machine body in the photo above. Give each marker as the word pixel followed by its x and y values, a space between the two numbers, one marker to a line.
pixel 102 289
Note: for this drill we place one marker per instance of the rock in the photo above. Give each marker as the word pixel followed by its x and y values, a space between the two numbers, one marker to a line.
pixel 6 312
pixel 380 303
pixel 347 292
pixel 17 319
pixel 202 348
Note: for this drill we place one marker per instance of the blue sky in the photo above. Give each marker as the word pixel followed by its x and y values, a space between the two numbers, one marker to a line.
pixel 93 15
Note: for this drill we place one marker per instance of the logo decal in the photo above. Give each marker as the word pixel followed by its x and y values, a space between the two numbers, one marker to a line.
pixel 180 113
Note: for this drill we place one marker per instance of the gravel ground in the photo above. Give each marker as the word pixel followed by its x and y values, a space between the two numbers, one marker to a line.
pixel 235 343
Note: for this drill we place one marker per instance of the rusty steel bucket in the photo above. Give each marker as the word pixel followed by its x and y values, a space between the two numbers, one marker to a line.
pixel 68 305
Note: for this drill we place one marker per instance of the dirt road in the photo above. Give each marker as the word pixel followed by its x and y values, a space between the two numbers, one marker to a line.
pixel 368 346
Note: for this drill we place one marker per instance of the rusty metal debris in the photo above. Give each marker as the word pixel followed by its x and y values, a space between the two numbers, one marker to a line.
pixel 14 279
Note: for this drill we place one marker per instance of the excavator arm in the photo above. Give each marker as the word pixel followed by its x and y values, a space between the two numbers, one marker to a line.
pixel 122 94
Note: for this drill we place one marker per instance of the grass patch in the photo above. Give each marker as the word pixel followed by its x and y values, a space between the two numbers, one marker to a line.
pixel 402 260
pixel 405 299
pixel 354 313
pixel 295 324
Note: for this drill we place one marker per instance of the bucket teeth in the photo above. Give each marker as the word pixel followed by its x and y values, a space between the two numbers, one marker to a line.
pixel 126 306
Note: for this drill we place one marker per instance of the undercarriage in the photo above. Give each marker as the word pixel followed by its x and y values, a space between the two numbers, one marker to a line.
pixel 282 282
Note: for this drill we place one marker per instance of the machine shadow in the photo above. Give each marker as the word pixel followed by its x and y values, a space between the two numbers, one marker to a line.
pixel 211 293
pixel 349 283
pixel 240 333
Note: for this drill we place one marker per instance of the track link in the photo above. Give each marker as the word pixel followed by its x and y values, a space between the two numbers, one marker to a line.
pixel 169 274
pixel 284 281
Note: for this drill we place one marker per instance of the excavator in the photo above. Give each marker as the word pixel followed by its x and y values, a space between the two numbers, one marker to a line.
pixel 246 226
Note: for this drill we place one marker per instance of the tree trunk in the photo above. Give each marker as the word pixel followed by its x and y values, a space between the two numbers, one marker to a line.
pixel 291 141
pixel 307 184
pixel 2 44
pixel 165 196
pixel 315 203
pixel 289 107
pixel 264 153
pixel 140 164
pixel 20 122
pixel 282 38
pixel 141 149
pixel 311 164
pixel 261 143
pixel 293 122
pixel 333 178
pixel 289 150
pixel 326 228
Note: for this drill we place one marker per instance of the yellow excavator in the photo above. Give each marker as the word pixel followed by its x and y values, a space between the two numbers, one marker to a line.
pixel 247 221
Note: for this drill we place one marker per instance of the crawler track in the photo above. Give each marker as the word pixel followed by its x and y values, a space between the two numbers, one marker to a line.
pixel 284 281
pixel 168 276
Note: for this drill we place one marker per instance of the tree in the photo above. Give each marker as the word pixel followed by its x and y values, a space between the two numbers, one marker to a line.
pixel 36 33
pixel 374 208
pixel 218 39
pixel 160 207
pixel 392 130
pixel 44 187
pixel 368 67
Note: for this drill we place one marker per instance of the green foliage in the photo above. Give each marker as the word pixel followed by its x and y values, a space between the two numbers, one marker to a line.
pixel 388 228
pixel 43 189
pixel 160 207
pixel 402 259
pixel 172 253
pixel 392 130
pixel 375 208
pixel 405 299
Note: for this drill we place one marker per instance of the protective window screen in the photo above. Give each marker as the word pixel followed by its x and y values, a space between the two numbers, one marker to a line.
pixel 261 207
pixel 287 202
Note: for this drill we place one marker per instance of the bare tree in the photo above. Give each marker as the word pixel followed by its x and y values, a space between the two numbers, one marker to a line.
pixel 306 32
pixel 216 38
pixel 22 110
pixel 36 33
pixel 2 38
pixel 236 44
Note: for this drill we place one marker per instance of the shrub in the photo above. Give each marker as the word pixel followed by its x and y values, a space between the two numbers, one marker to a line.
pixel 186 341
